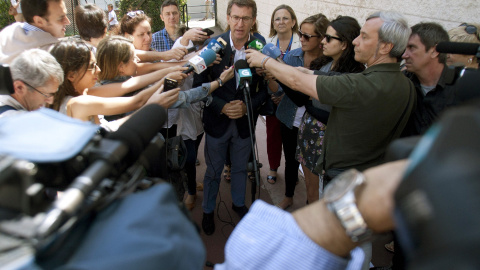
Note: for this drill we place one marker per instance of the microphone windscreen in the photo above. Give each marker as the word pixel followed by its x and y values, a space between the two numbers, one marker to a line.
pixel 215 45
pixel 137 132
pixel 457 48
pixel 272 51
pixel 208 56
pixel 241 64
pixel 255 44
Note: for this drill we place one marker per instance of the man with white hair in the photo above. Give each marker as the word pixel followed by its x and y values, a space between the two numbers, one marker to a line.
pixel 36 76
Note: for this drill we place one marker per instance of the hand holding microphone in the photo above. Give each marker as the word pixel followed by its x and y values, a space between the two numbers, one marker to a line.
pixel 200 62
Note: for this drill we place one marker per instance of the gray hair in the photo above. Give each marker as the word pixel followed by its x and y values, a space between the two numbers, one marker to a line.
pixel 394 30
pixel 36 67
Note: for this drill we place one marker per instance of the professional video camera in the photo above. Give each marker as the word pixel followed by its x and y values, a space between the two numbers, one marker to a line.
pixel 44 151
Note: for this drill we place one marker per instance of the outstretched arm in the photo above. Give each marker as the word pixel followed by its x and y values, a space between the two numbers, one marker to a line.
pixel 286 74
pixel 132 84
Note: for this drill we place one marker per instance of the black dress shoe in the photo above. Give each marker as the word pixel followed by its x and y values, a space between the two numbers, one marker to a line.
pixel 240 210
pixel 208 225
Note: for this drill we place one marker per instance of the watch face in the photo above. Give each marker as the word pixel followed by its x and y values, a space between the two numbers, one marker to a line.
pixel 340 185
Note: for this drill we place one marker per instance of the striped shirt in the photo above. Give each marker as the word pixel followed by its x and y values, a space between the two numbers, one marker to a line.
pixel 269 238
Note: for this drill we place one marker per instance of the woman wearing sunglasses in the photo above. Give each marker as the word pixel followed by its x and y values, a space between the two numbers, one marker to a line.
pixel 468 33
pixel 289 113
pixel 283 34
pixel 338 56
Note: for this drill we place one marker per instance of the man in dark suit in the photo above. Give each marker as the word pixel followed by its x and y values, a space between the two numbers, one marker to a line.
pixel 225 120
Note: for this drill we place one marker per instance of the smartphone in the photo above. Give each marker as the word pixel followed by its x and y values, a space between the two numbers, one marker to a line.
pixel 208 31
pixel 169 84
pixel 193 49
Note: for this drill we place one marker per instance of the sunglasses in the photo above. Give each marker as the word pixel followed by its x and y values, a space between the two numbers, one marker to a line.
pixel 132 14
pixel 306 36
pixel 329 38
pixel 471 29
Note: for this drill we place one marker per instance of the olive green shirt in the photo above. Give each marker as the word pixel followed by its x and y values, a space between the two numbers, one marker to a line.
pixel 369 110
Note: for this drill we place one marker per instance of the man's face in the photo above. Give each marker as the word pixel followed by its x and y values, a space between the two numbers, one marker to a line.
pixel 415 55
pixel 170 16
pixel 110 8
pixel 240 21
pixel 367 44
pixel 33 100
pixel 56 19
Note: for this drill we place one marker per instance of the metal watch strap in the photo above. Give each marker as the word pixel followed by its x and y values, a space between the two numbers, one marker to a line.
pixel 347 212
pixel 220 83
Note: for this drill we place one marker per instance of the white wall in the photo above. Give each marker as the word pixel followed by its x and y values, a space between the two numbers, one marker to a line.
pixel 449 13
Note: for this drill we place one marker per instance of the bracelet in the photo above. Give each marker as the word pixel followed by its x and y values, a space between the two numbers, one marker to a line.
pixel 220 83
pixel 264 61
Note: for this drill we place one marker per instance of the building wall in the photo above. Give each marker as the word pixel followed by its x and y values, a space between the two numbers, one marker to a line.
pixel 448 13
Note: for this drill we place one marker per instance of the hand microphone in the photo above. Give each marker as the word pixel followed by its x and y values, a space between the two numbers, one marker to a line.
pixel 458 48
pixel 217 45
pixel 273 51
pixel 120 149
pixel 244 73
pixel 200 62
pixel 255 44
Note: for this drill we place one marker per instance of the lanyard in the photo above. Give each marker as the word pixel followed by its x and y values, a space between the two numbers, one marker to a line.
pixel 288 48
pixel 167 44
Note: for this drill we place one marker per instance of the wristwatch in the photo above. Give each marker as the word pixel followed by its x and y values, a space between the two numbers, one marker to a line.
pixel 220 83
pixel 340 199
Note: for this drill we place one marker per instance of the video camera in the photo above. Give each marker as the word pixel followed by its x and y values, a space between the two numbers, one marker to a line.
pixel 44 151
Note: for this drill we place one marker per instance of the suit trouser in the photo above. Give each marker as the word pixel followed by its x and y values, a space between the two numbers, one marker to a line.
pixel 215 154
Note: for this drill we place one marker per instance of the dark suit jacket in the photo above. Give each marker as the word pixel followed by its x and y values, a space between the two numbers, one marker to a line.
pixel 215 123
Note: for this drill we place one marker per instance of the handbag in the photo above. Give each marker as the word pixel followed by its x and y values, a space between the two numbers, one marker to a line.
pixel 12 11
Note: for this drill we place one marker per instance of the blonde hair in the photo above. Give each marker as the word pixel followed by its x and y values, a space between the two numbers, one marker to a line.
pixel 111 52
pixel 458 34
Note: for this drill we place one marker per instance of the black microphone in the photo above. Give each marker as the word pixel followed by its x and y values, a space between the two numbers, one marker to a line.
pixel 121 148
pixel 458 48
pixel 244 74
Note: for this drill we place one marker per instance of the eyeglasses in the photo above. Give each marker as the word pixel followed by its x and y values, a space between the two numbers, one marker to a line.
pixel 329 38
pixel 93 66
pixel 132 14
pixel 306 36
pixel 48 95
pixel 471 29
pixel 236 19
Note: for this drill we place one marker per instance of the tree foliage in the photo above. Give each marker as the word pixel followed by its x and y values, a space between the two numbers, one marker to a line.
pixel 150 7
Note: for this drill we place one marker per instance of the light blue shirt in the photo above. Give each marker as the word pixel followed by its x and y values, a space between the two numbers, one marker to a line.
pixel 269 238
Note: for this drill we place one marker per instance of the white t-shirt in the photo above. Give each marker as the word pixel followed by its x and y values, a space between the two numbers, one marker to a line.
pixel 111 15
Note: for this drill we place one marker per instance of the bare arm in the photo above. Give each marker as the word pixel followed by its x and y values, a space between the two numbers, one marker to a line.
pixel 82 107
pixel 146 68
pixel 132 84
pixel 324 228
pixel 150 56
pixel 286 74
